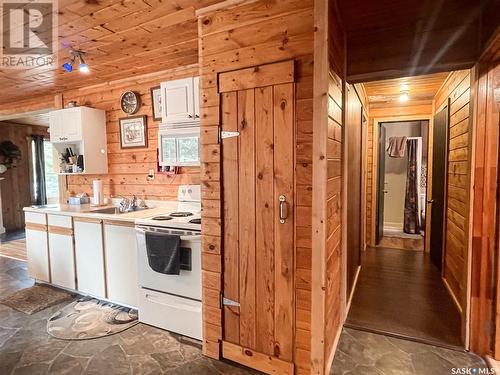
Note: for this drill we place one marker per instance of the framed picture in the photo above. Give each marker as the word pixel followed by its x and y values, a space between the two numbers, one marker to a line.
pixel 156 102
pixel 133 132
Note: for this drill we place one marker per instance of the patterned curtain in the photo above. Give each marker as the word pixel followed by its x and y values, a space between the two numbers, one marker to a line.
pixel 411 198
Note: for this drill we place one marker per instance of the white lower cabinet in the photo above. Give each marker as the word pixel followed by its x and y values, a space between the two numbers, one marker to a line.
pixel 38 254
pixel 121 263
pixel 62 260
pixel 89 257
pixel 61 251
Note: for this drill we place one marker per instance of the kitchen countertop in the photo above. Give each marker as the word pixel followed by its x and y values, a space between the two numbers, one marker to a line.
pixel 85 210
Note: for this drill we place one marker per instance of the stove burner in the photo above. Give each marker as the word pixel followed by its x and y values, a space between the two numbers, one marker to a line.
pixel 181 214
pixel 195 221
pixel 162 218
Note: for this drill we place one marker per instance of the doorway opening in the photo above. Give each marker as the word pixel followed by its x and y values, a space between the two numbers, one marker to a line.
pixel 413 276
pixel 26 176
pixel 402 184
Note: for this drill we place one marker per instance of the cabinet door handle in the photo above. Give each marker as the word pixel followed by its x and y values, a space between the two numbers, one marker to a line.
pixel 190 116
pixel 196 116
pixel 283 209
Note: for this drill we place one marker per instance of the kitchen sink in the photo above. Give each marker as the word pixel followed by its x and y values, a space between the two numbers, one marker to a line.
pixel 107 210
pixel 113 210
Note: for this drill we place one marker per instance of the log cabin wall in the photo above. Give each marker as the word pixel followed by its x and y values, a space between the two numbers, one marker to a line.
pixel 457 89
pixel 485 305
pixel 16 188
pixel 247 35
pixel 375 112
pixel 335 235
pixel 128 168
pixel 328 257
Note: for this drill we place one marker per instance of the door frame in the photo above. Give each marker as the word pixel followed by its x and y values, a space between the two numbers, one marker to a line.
pixel 376 125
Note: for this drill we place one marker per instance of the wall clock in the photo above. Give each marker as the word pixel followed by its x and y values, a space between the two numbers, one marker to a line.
pixel 130 102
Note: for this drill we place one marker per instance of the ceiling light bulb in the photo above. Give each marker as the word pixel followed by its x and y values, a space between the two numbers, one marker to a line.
pixel 68 66
pixel 404 97
pixel 84 68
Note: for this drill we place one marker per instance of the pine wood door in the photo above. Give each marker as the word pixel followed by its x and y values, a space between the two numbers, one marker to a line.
pixel 258 218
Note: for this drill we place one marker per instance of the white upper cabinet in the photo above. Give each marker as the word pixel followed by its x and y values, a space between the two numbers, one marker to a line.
pixel 66 125
pixel 83 130
pixel 180 101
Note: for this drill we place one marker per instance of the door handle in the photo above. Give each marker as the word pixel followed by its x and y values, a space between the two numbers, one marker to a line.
pixel 283 209
pixel 385 191
pixel 430 201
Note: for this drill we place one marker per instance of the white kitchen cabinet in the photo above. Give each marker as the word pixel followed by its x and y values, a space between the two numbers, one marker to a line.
pixel 38 254
pixel 37 246
pixel 61 251
pixel 121 263
pixel 89 256
pixel 196 93
pixel 180 101
pixel 66 124
pixel 83 130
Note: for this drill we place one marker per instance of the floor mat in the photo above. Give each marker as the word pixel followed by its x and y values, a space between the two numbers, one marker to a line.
pixel 34 299
pixel 89 318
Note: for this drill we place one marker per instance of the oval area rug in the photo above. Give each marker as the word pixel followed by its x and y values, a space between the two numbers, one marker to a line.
pixel 90 318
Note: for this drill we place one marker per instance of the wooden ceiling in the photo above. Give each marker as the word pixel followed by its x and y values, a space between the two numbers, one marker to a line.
pixel 41 119
pixel 121 38
pixel 421 90
pixel 393 38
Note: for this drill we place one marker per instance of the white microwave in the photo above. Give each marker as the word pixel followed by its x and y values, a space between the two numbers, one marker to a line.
pixel 178 146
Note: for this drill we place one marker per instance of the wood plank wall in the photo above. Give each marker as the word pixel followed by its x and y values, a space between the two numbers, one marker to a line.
pixel 16 188
pixel 485 318
pixel 457 88
pixel 335 247
pixel 424 110
pixel 247 35
pixel 128 169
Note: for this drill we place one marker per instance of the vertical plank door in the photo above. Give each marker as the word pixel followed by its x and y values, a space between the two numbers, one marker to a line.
pixel 257 121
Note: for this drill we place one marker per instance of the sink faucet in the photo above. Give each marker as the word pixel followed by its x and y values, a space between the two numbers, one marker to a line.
pixel 127 204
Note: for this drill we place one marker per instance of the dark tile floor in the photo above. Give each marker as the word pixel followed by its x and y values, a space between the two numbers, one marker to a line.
pixel 26 348
pixel 364 353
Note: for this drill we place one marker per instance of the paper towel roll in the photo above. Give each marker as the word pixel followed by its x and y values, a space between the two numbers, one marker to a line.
pixel 98 192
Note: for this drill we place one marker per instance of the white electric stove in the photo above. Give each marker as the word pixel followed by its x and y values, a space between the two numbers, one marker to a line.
pixel 173 302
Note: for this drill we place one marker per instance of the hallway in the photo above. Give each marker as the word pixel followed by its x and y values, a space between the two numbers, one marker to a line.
pixel 401 292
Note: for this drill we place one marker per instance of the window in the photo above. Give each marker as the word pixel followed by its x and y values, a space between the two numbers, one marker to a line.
pixel 179 147
pixel 50 177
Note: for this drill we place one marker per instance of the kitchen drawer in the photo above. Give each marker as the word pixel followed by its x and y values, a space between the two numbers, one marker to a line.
pixel 175 314
pixel 35 218
pixel 60 221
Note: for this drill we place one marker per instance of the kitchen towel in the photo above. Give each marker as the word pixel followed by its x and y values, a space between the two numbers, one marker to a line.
pixel 397 147
pixel 164 252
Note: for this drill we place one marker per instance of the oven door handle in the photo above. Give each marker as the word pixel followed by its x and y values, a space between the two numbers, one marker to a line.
pixel 195 237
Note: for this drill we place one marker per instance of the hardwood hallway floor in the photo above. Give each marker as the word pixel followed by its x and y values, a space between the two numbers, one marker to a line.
pixel 401 292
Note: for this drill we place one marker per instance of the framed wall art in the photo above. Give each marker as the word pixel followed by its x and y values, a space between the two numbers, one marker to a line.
pixel 133 132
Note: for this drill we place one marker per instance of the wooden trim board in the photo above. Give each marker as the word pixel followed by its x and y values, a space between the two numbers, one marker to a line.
pixel 257 76
pixel 120 223
pixel 319 182
pixel 38 227
pixel 60 230
pixel 258 361
pixel 88 220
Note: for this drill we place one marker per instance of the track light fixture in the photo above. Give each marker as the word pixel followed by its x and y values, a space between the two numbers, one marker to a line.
pixel 76 56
